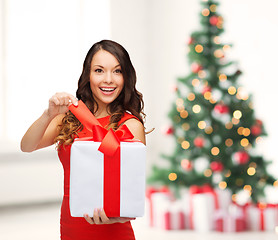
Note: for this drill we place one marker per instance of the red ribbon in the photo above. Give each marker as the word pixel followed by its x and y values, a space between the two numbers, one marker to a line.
pixel 110 147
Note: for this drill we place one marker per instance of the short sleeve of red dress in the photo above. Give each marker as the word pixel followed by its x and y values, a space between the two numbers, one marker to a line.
pixel 75 228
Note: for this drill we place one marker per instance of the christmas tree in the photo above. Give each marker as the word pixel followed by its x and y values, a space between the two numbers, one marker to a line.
pixel 213 120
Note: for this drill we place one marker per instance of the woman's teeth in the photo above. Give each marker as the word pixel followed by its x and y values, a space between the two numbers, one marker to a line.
pixel 107 89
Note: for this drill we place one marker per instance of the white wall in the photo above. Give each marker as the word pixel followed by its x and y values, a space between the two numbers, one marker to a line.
pixel 155 32
pixel 44 43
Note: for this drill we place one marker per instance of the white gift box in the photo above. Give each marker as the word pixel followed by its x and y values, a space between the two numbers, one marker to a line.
pixel 230 220
pixel 203 208
pixel 87 178
pixel 224 198
pixel 168 214
pixel 262 219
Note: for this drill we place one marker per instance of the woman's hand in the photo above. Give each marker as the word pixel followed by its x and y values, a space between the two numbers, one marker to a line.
pixel 59 103
pixel 100 217
pixel 45 129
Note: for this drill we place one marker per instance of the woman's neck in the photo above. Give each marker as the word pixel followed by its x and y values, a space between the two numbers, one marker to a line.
pixel 102 111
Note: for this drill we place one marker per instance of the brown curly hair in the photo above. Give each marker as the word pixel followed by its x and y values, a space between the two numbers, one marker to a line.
pixel 129 99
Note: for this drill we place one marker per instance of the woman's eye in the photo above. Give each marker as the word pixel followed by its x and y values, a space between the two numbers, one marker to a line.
pixel 98 70
pixel 118 71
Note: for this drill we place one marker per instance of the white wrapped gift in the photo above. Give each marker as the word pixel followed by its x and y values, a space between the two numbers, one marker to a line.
pixel 112 181
pixel 203 203
pixel 168 214
pixel 87 178
pixel 263 217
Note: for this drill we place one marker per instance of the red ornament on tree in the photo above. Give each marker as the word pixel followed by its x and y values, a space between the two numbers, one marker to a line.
pixel 174 88
pixel 186 165
pixel 216 166
pixel 221 108
pixel 241 157
pixel 190 41
pixel 259 122
pixel 199 142
pixel 213 20
pixel 168 130
pixel 256 130
pixel 196 67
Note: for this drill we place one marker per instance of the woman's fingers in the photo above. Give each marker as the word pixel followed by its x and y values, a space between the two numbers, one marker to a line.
pixel 103 217
pixel 100 217
pixel 88 219
pixel 96 217
pixel 73 100
pixel 63 98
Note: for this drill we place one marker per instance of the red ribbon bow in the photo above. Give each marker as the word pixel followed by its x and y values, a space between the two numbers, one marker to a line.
pixel 110 140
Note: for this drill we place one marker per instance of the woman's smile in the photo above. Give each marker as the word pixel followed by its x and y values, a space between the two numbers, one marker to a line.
pixel 107 90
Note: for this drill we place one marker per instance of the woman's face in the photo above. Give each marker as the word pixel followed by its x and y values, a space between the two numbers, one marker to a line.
pixel 106 78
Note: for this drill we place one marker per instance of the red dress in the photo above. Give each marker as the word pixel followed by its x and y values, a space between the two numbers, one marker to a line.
pixel 77 228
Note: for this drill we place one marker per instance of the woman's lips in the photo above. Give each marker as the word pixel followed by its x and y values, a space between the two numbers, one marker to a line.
pixel 107 90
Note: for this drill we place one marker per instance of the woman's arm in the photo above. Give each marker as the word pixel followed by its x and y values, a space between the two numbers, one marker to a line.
pixel 137 129
pixel 45 129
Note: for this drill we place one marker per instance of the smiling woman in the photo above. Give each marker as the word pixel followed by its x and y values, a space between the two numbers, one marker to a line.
pixel 107 87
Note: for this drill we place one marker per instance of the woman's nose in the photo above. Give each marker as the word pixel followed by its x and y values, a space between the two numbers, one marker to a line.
pixel 108 78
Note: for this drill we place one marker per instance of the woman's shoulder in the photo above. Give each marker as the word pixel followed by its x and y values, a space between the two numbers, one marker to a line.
pixel 128 117
pixel 136 128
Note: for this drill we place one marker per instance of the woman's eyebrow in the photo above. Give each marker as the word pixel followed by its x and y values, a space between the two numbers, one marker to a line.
pixel 97 65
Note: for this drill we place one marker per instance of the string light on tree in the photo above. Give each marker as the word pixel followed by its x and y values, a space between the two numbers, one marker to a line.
pixel 199 48
pixel 222 185
pixel 213 8
pixel 218 53
pixel 172 176
pixel 202 74
pixel 195 82
pixel 229 142
pixel 208 130
pixel 191 97
pixel 184 114
pixel 226 47
pixel 205 12
pixel 215 151
pixel 237 114
pixel 232 90
pixel 216 40
pixel 196 108
pixel 202 124
pixel 222 77
pixel 251 171
pixel 185 144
